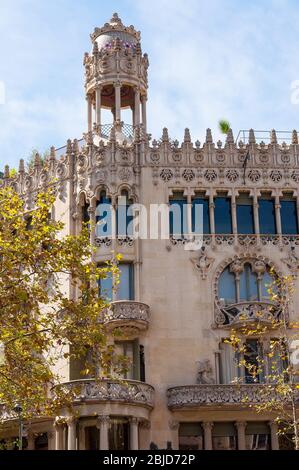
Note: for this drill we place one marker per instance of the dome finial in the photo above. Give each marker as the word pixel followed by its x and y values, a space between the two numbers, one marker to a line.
pixel 116 20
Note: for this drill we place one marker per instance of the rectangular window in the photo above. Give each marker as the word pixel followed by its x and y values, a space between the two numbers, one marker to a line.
pixel 190 436
pixel 205 224
pixel 245 217
pixel 288 214
pixel 131 351
pixel 257 436
pixel 267 216
pixel 178 225
pixel 104 217
pixel 252 357
pixel 223 216
pixel 224 436
pixel 124 290
pixel 119 434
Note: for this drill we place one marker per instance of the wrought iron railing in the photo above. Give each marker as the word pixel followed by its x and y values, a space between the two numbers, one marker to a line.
pixel 243 313
pixel 264 136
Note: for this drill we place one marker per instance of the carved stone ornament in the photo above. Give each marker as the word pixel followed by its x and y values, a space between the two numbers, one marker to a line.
pixel 292 261
pixel 203 263
pixel 204 373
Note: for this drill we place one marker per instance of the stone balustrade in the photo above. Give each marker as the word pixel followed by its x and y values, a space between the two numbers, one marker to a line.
pixel 128 392
pixel 238 240
pixel 128 314
pixel 205 395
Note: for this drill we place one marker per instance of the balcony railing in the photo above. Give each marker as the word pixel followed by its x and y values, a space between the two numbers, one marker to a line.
pixel 244 313
pixel 129 314
pixel 238 239
pixel 128 392
pixel 205 395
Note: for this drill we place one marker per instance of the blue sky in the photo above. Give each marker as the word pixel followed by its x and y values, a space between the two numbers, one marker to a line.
pixel 208 60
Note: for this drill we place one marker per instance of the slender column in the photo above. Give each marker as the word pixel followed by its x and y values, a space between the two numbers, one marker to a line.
pixel 92 223
pixel 103 426
pixel 212 216
pixel 207 427
pixel 72 433
pixel 274 436
pixel 277 215
pixel 117 88
pixel 98 105
pixel 31 441
pixel 89 113
pixel 234 214
pixel 137 107
pixel 189 216
pixel 134 434
pixel 58 436
pixel 143 108
pixel 256 215
pixel 241 426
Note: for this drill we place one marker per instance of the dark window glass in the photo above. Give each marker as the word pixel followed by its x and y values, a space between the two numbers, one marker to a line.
pixel 124 216
pixel 224 436
pixel 85 214
pixel 178 217
pixel 92 438
pixel 197 226
pixel 223 217
pixel 251 356
pixel 257 435
pixel 267 216
pixel 190 436
pixel 104 217
pixel 142 363
pixel 248 284
pixel 119 436
pixel 288 213
pixel 41 442
pixel 245 215
pixel 227 287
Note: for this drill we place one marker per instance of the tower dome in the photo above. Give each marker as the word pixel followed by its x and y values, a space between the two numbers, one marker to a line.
pixel 116 78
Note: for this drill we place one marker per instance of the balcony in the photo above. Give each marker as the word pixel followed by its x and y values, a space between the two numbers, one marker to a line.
pixel 238 240
pixel 90 391
pixel 128 315
pixel 191 396
pixel 245 313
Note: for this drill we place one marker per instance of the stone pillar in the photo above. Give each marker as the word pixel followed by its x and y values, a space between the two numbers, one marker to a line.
pixel 98 105
pixel 134 434
pixel 256 215
pixel 277 215
pixel 208 443
pixel 103 426
pixel 59 444
pixel 211 212
pixel 234 214
pixel 72 433
pixel 89 113
pixel 274 436
pixel 117 88
pixel 92 222
pixel 143 107
pixel 137 107
pixel 241 426
pixel 31 441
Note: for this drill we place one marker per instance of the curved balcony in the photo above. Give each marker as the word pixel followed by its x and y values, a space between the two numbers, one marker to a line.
pixel 129 315
pixel 128 392
pixel 245 313
pixel 190 396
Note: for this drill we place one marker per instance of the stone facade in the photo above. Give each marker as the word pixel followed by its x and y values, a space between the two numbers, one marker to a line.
pixel 176 312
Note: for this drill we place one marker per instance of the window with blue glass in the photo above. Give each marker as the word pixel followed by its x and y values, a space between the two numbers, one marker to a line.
pixel 222 214
pixel 124 290
pixel 248 285
pixel 227 290
pixel 267 215
pixel 124 215
pixel 201 226
pixel 288 214
pixel 178 225
pixel 104 216
pixel 245 219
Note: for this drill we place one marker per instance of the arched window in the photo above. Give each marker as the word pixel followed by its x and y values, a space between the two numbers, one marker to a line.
pixel 104 216
pixel 244 284
pixel 124 216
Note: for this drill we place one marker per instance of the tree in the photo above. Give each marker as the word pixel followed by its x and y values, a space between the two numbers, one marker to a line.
pixel 224 126
pixel 280 392
pixel 41 156
pixel 39 320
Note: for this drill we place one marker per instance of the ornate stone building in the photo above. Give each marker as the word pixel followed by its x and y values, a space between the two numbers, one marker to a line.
pixel 175 306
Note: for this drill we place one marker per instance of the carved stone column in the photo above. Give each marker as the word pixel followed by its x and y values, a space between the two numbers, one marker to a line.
pixel 208 443
pixel 256 215
pixel 211 212
pixel 59 444
pixel 89 113
pixel 277 215
pixel 143 107
pixel 98 105
pixel 274 436
pixel 92 220
pixel 134 434
pixel 72 433
pixel 241 426
pixel 137 107
pixel 103 426
pixel 117 88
